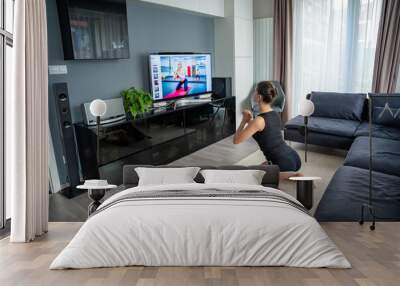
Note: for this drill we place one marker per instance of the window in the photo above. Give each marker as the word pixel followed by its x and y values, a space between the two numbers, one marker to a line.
pixel 9 16
pixel 6 60
pixel 334 45
pixel 263 48
pixel 398 81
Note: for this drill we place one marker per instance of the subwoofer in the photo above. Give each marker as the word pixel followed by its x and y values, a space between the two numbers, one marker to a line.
pixel 63 113
pixel 222 87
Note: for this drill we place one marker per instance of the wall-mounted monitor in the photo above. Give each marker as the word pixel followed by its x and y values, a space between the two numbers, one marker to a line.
pixel 93 30
pixel 175 76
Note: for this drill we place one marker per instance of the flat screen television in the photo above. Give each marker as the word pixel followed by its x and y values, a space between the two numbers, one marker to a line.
pixel 179 75
pixel 93 30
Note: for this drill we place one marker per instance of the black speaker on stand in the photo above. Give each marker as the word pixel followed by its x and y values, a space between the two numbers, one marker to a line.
pixel 67 138
pixel 222 89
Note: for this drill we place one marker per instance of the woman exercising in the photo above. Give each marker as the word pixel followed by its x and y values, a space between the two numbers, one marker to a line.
pixel 266 130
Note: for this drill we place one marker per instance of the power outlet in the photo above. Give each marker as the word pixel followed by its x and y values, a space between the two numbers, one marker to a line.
pixel 58 69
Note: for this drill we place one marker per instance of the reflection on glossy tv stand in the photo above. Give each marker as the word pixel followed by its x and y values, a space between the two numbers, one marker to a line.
pixel 195 99
pixel 157 137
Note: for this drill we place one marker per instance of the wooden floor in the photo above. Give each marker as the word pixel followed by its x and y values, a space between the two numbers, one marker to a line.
pixel 375 257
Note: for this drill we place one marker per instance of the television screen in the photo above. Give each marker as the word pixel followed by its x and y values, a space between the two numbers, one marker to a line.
pixel 179 75
pixel 94 29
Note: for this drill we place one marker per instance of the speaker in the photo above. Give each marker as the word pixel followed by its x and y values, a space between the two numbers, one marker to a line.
pixel 115 112
pixel 222 87
pixel 63 114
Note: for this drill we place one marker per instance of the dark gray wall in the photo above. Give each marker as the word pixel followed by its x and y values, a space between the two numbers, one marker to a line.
pixel 151 29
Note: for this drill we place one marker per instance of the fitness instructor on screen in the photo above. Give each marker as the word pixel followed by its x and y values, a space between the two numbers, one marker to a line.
pixel 181 76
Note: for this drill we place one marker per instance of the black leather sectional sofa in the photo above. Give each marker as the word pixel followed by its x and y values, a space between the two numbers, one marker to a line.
pixel 341 121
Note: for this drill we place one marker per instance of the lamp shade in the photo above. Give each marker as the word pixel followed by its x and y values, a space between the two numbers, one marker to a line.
pixel 98 107
pixel 306 108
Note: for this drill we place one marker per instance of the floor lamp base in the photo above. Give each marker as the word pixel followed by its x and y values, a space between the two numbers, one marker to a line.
pixel 371 210
pixel 303 130
pixel 305 137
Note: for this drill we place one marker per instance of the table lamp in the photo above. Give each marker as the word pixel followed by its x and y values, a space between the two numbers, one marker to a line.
pixel 98 108
pixel 306 110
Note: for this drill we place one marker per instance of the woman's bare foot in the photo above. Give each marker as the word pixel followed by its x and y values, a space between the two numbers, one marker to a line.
pixel 297 174
pixel 287 175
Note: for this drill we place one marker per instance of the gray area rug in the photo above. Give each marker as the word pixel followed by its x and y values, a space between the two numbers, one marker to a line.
pixel 321 162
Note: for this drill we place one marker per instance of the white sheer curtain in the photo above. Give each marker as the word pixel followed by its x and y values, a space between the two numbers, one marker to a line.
pixel 334 46
pixel 263 49
pixel 27 124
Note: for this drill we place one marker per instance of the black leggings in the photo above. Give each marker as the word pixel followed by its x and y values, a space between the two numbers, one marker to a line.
pixel 285 157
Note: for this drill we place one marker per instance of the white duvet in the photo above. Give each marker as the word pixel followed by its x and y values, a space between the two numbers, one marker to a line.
pixel 200 231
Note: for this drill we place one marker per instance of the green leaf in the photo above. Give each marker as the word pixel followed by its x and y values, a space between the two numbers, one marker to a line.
pixel 136 100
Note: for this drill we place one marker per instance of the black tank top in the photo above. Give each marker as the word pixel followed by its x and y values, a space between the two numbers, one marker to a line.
pixel 271 136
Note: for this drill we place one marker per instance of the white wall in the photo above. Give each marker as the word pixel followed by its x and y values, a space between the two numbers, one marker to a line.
pixel 263 8
pixel 244 71
pixel 207 7
pixel 224 42
pixel 263 13
pixel 234 50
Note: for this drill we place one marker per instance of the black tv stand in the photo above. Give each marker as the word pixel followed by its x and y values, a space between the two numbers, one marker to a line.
pixel 159 136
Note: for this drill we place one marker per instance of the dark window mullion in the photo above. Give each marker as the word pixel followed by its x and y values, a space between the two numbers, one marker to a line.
pixel 6 33
pixel 3 35
pixel 6 39
pixel 9 42
pixel 3 14
pixel 2 89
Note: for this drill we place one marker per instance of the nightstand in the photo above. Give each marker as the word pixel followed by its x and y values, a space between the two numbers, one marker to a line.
pixel 304 190
pixel 95 193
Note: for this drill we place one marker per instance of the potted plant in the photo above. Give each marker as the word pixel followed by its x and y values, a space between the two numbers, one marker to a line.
pixel 136 101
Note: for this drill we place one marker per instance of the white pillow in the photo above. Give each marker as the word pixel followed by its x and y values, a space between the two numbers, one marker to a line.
pixel 166 176
pixel 247 177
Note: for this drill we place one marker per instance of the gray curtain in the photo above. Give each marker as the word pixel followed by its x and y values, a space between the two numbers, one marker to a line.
pixel 387 55
pixel 283 45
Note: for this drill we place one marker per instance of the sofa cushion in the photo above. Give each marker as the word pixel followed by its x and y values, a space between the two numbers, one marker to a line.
pixel 378 130
pixel 348 190
pixel 320 139
pixel 386 110
pixel 385 155
pixel 348 106
pixel 333 126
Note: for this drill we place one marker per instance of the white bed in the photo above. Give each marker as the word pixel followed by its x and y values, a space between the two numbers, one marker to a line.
pixel 202 231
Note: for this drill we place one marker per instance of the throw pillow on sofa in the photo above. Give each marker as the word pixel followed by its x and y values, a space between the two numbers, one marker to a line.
pixel 348 106
pixel 386 110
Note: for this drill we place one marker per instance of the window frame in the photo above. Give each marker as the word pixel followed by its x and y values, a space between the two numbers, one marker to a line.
pixel 6 39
